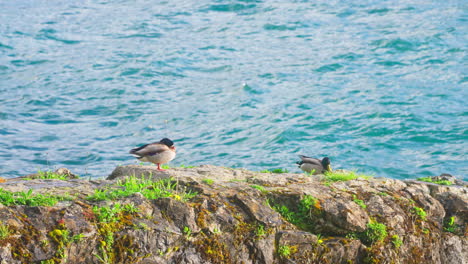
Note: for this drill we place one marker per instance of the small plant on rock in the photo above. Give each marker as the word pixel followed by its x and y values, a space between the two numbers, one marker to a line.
pixel 258 187
pixel 420 213
pixel 208 181
pixel 449 225
pixel 284 251
pixel 187 232
pixel 343 176
pixel 4 231
pixel 50 175
pixel 279 170
pixel 147 187
pixel 396 241
pixel 27 198
pixel 375 232
pixel 429 179
pixel 300 215
pixel 359 202
pixel 260 231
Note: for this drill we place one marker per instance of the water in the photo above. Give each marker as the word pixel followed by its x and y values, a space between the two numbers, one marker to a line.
pixel 378 86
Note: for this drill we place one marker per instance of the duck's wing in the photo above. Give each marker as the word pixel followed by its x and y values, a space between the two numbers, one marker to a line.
pixel 149 149
pixel 310 160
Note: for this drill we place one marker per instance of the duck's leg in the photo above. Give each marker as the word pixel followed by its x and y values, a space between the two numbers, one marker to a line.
pixel 159 167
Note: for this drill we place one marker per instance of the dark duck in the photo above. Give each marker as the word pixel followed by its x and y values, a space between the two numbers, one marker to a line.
pixel 313 165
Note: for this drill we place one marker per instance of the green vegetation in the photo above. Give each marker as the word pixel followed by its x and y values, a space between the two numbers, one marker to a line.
pixel 50 175
pixel 237 180
pixel 449 225
pixel 420 212
pixel 280 170
pixel 107 214
pixel 396 241
pixel 77 238
pixel 208 181
pixel 166 166
pixel 4 231
pixel 187 232
pixel 28 198
pixel 148 188
pixel 359 202
pixel 284 251
pixel 110 219
pixel 259 187
pixel 343 176
pixel 260 231
pixel 300 216
pixel 429 179
pixel 131 208
pixel 375 232
pixel 319 239
pixel 61 237
pixel 186 166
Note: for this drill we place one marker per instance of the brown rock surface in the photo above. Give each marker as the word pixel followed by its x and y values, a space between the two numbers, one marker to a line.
pixel 237 216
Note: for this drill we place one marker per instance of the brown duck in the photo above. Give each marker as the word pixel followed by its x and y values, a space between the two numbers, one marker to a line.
pixel 158 152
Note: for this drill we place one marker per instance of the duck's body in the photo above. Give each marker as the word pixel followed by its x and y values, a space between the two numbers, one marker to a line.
pixel 158 152
pixel 313 165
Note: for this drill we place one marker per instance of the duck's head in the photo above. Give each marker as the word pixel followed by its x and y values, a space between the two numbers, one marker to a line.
pixel 326 164
pixel 167 142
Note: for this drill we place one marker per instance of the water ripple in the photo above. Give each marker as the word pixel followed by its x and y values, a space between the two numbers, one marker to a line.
pixel 376 86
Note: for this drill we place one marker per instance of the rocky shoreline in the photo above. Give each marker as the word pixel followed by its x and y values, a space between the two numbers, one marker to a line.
pixel 211 214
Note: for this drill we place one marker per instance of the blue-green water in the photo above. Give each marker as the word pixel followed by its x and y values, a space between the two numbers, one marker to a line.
pixel 378 86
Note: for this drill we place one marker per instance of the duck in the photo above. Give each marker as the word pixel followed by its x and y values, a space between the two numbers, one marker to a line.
pixel 158 152
pixel 313 165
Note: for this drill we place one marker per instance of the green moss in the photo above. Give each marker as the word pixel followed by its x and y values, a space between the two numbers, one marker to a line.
pixel 259 187
pixel 279 170
pixel 359 202
pixel 284 251
pixel 109 220
pixel 4 231
pixel 396 241
pixel 165 166
pixel 375 232
pixel 50 175
pixel 213 248
pixel 186 166
pixel 343 176
pixel 28 198
pixel 187 232
pixel 208 181
pixel 420 213
pixel 429 179
pixel 147 187
pixel 62 239
pixel 299 215
pixel 450 225
pixel 260 231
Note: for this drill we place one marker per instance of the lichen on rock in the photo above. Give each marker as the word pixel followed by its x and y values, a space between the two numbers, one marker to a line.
pixel 237 216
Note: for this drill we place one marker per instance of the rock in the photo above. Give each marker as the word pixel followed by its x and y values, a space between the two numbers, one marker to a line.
pixel 232 216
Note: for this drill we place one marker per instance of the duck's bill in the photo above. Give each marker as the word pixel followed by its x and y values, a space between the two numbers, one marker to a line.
pixel 329 168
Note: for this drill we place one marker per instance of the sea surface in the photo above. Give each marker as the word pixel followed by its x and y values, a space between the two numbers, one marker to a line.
pixel 380 87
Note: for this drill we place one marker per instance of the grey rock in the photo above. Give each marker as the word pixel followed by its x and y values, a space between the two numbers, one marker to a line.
pixel 230 221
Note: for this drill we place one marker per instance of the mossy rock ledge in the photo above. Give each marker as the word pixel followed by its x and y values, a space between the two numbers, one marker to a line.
pixel 211 214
